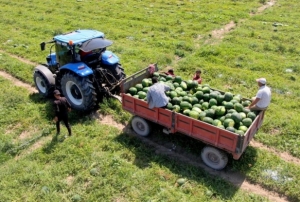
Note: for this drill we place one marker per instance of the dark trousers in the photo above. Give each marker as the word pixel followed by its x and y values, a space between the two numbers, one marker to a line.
pixel 65 119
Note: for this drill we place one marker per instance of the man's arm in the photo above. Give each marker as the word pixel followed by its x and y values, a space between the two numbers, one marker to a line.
pixel 254 102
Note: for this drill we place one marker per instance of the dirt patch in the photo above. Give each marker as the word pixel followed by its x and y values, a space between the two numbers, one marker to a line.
pixel 107 120
pixel 24 135
pixel 219 34
pixel 283 155
pixel 17 82
pixel 38 144
pixel 264 7
pixel 20 59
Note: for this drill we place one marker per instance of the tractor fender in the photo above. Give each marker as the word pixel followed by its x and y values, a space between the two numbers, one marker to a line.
pixel 109 58
pixel 78 68
pixel 46 73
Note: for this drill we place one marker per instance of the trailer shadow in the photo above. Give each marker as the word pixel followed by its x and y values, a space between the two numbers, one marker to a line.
pixel 181 155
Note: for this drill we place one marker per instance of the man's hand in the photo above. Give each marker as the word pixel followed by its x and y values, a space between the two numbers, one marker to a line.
pixel 55 119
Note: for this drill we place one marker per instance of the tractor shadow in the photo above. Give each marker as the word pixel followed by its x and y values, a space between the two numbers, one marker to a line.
pixel 181 155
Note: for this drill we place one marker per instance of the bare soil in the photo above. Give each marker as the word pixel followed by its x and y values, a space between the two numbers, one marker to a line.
pixel 17 82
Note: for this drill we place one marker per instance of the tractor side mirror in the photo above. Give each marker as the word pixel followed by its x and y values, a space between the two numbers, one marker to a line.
pixel 43 44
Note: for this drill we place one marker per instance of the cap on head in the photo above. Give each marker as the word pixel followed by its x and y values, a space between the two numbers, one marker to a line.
pixel 261 80
pixel 56 92
pixel 171 70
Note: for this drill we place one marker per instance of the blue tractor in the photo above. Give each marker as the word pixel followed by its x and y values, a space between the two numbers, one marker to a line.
pixel 81 68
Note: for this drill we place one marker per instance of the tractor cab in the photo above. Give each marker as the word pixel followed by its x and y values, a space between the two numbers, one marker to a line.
pixel 81 68
pixel 67 46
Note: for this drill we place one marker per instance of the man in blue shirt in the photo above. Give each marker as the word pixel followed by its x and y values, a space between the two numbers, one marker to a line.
pixel 156 96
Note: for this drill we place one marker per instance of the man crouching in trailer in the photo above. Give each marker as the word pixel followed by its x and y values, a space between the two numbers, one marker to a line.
pixel 156 96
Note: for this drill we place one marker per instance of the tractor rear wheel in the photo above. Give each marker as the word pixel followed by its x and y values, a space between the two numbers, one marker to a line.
pixel 79 91
pixel 42 84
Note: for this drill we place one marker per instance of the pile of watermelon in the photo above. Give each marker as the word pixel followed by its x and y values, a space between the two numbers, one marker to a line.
pixel 221 109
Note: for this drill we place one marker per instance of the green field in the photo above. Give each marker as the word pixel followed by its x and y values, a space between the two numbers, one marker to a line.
pixel 102 163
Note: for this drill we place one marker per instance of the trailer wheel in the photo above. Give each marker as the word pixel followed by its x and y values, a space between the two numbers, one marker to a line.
pixel 214 158
pixel 42 84
pixel 140 126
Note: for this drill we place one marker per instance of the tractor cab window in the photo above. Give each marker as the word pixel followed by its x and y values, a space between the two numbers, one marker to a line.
pixel 63 53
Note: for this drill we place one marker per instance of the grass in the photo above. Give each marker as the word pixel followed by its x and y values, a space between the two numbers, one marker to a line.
pixel 172 33
pixel 98 163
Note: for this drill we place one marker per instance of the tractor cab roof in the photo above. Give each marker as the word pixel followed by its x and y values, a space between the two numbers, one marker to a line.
pixel 78 36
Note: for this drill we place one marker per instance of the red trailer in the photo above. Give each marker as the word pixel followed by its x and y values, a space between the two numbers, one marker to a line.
pixel 219 142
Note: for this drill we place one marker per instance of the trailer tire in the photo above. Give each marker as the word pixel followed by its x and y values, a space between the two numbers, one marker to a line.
pixel 140 126
pixel 42 84
pixel 214 158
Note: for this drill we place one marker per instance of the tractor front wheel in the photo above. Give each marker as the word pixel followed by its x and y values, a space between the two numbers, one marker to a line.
pixel 79 91
pixel 42 84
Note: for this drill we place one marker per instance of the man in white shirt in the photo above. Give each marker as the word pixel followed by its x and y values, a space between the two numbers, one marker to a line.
pixel 156 96
pixel 263 96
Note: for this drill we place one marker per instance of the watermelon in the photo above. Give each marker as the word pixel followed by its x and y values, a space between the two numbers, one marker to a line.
pixel 206 97
pixel 176 108
pixel 170 106
pixel 162 79
pixel 175 101
pixel 228 105
pixel 246 103
pixel 197 105
pixel 186 112
pixel 206 90
pixel 247 122
pixel 173 94
pixel 213 95
pixel 220 110
pixel 156 74
pixel 146 89
pixel 186 98
pixel 202 115
pixel 208 120
pixel 228 96
pixel 231 111
pixel 194 100
pixel 243 115
pixel 176 84
pixel 228 123
pixel 196 109
pixel 194 114
pixel 198 95
pixel 212 102
pixel 183 85
pixel 231 129
pixel 205 105
pixel 169 78
pixel 185 105
pixel 177 79
pixel 190 84
pixel 236 117
pixel 182 93
pixel 139 87
pixel 217 122
pixel 240 132
pixel 142 94
pixel 146 82
pixel 132 91
pixel 251 115
pixel 220 99
pixel 243 128
pixel 136 96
